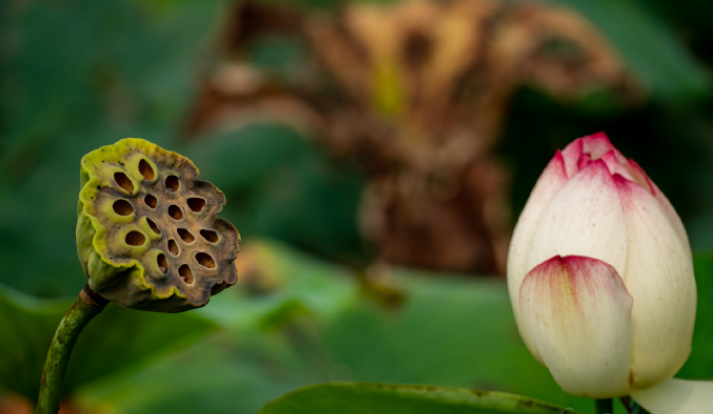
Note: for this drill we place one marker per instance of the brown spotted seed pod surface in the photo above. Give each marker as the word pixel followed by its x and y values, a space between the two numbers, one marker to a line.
pixel 148 235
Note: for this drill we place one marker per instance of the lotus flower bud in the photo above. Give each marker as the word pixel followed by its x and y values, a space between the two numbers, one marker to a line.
pixel 147 232
pixel 600 274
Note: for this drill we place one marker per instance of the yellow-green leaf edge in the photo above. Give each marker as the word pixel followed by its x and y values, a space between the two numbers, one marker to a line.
pixel 374 398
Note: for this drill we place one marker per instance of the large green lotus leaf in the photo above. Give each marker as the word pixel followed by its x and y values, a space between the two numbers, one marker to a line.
pixel 117 339
pixel 26 329
pixel 276 284
pixel 309 329
pixel 451 331
pixel 218 375
pixel 360 398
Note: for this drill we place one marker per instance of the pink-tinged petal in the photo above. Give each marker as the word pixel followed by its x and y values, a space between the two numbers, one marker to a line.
pixel 619 156
pixel 584 218
pixel 667 207
pixel 640 177
pixel 596 145
pixel 584 161
pixel 614 165
pixel 551 181
pixel 659 274
pixel 571 155
pixel 578 313
pixel 677 396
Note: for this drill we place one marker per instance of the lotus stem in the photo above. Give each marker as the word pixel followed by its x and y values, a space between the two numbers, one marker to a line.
pixel 87 306
pixel 637 409
pixel 604 406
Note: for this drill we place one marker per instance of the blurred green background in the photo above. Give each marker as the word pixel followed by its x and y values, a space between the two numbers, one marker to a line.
pixel 315 304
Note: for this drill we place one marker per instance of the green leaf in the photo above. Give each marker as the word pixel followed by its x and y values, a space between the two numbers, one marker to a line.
pixel 452 331
pixel 26 329
pixel 278 284
pixel 215 376
pixel 116 340
pixel 700 363
pixel 309 327
pixel 665 66
pixel 359 398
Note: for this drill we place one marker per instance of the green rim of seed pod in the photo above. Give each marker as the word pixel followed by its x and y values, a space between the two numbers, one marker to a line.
pixel 148 235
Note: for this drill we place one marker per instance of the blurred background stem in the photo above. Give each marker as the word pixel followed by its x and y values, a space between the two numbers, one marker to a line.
pixel 604 406
pixel 86 307
pixel 637 409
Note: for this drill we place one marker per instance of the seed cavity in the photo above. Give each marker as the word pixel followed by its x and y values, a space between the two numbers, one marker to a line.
pixel 151 201
pixel 175 212
pixel 186 274
pixel 205 260
pixel 135 238
pixel 162 262
pixel 210 235
pixel 123 207
pixel 146 170
pixel 124 182
pixel 153 226
pixel 186 235
pixel 172 183
pixel 196 204
pixel 173 247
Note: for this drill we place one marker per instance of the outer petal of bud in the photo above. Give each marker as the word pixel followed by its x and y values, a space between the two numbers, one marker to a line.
pixel 659 275
pixel 578 313
pixel 551 180
pixel 677 396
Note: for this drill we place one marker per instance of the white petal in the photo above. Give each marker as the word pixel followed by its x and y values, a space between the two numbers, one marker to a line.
pixel 578 313
pixel 677 396
pixel 572 155
pixel 659 275
pixel 551 180
pixel 584 218
pixel 615 166
pixel 596 145
pixel 667 207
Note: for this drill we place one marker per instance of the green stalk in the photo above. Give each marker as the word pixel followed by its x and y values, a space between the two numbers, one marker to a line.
pixel 87 306
pixel 637 409
pixel 604 406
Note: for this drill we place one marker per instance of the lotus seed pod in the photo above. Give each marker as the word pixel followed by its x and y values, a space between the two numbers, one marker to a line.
pixel 148 235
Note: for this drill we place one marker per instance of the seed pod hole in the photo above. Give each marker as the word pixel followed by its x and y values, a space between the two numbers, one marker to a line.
pixel 172 183
pixel 153 226
pixel 205 260
pixel 175 212
pixel 173 247
pixel 151 201
pixel 186 273
pixel 146 170
pixel 162 262
pixel 123 207
pixel 124 182
pixel 186 235
pixel 196 204
pixel 135 238
pixel 210 235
